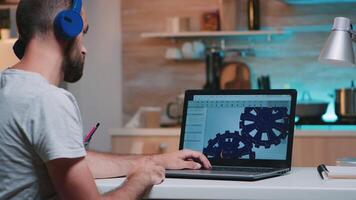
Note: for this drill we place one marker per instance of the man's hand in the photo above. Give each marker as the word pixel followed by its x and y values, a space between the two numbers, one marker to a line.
pixel 147 172
pixel 142 177
pixel 72 180
pixel 184 159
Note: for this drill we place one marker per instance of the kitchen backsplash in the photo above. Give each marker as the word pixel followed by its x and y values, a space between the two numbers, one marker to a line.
pixel 289 59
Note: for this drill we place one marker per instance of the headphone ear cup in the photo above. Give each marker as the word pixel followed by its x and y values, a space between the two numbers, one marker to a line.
pixel 19 48
pixel 68 24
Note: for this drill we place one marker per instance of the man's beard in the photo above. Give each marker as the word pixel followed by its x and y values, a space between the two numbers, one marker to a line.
pixel 73 63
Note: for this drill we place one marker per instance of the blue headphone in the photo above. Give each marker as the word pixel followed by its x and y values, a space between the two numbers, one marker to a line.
pixel 68 24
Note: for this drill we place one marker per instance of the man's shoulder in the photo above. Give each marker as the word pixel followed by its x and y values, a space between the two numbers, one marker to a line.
pixel 56 96
pixel 28 89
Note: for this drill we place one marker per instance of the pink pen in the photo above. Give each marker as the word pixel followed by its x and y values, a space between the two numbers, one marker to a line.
pixel 90 134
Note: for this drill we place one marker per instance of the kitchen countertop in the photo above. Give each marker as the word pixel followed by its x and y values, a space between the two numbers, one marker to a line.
pixel 300 183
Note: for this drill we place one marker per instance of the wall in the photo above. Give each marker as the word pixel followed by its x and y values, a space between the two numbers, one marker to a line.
pixel 290 60
pixel 8 58
pixel 99 92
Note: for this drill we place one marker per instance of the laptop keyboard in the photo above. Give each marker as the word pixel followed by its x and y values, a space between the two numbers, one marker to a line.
pixel 245 169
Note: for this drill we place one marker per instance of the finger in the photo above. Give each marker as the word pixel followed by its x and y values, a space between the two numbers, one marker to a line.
pixel 190 165
pixel 162 170
pixel 159 169
pixel 162 174
pixel 204 160
pixel 196 155
pixel 158 175
pixel 162 179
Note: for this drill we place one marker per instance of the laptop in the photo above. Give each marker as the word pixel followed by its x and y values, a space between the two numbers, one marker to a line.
pixel 245 134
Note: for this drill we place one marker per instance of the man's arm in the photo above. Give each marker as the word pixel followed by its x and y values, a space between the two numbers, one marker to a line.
pixel 73 180
pixel 104 165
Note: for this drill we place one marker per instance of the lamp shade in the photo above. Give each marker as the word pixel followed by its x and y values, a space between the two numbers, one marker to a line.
pixel 338 48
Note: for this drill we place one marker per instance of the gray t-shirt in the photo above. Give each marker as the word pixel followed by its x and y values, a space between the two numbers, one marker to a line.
pixel 38 123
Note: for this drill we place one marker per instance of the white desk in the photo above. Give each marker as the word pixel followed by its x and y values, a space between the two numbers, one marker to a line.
pixel 301 183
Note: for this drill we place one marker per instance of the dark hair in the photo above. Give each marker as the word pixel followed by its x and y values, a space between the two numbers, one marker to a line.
pixel 36 17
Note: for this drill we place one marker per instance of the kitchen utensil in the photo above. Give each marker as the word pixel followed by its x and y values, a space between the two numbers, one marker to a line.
pixel 214 62
pixel 198 49
pixel 310 108
pixel 235 75
pixel 187 50
pixel 146 117
pixel 345 102
pixel 193 50
pixel 264 83
pixel 174 53
pixel 229 14
pixel 210 21
pixel 253 14
pixel 150 117
pixel 177 112
pixel 177 24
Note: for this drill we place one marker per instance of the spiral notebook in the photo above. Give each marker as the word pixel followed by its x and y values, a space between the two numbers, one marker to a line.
pixel 337 172
pixel 346 161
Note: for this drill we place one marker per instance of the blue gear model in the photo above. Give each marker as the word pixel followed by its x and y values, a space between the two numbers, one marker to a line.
pixel 230 145
pixel 273 122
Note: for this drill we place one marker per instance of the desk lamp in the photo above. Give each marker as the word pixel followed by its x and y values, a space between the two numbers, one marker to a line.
pixel 338 48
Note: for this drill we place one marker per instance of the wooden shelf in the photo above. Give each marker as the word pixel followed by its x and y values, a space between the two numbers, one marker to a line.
pixel 186 59
pixel 211 34
pixel 8 6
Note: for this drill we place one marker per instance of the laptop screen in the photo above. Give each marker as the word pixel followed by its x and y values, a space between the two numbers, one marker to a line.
pixel 238 127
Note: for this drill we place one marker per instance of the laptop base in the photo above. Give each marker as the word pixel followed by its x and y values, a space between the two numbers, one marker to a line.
pixel 223 175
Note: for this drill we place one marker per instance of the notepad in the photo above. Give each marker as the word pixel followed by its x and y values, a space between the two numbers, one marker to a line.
pixel 347 161
pixel 340 172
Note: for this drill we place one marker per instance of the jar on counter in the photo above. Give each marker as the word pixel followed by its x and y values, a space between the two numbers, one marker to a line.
pixel 253 14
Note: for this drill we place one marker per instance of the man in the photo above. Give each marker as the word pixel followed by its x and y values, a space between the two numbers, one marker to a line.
pixel 41 142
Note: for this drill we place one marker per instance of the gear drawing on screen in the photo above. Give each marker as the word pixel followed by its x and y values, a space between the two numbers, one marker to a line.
pixel 259 126
pixel 230 145
pixel 271 122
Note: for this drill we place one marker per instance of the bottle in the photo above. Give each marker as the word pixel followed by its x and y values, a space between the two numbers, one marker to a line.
pixel 253 14
pixel 214 61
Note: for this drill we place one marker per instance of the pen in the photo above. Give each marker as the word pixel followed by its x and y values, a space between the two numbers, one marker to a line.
pixel 90 134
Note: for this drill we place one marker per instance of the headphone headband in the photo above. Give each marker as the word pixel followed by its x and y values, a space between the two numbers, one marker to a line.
pixel 77 6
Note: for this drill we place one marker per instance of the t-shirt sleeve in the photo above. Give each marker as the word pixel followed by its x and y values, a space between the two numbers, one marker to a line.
pixel 54 127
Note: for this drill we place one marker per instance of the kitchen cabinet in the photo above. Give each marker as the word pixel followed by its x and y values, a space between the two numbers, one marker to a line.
pixel 144 141
pixel 8 58
pixel 313 148
pixel 310 148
